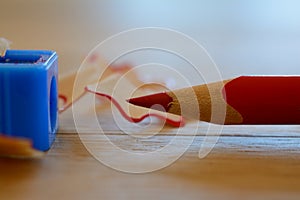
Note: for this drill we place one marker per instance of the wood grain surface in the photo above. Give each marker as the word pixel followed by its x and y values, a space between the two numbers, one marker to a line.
pixel 248 162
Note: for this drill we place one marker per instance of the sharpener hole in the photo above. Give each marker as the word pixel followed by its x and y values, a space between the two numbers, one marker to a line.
pixel 53 105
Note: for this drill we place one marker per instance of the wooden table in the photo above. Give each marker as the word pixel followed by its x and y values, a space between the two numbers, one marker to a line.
pixel 248 162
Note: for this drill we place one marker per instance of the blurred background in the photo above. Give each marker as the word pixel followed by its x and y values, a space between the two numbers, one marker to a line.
pixel 242 37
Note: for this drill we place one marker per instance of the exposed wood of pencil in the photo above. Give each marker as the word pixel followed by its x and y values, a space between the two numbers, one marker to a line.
pixel 210 99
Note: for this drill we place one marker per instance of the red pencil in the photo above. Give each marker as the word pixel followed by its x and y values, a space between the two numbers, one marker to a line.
pixel 247 99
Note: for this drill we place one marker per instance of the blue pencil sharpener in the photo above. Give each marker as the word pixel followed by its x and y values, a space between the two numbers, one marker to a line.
pixel 28 96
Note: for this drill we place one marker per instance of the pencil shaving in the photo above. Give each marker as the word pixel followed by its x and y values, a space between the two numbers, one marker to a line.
pixel 18 148
pixel 93 65
pixel 104 86
pixel 4 45
pixel 117 89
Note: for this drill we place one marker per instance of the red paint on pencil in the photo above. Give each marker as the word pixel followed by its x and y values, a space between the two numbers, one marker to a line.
pixel 149 101
pixel 265 99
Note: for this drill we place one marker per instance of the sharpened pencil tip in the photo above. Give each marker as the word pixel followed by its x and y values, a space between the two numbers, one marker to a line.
pixel 149 101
